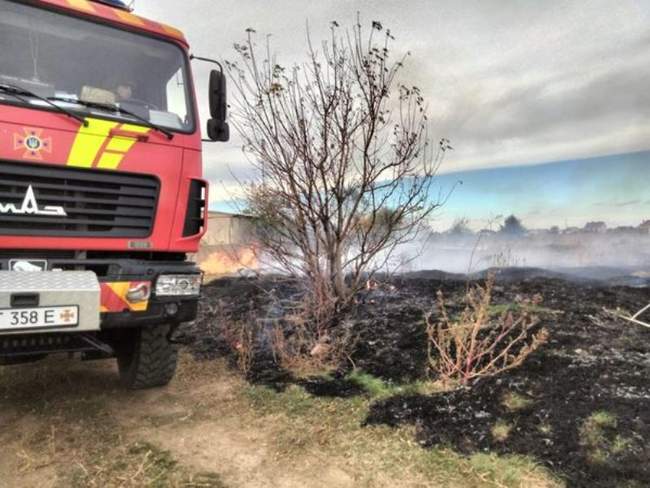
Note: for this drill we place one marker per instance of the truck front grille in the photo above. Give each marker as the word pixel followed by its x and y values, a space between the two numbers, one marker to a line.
pixel 96 203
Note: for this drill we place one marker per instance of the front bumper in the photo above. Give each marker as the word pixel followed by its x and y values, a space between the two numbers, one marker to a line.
pixel 97 336
pixel 106 305
pixel 158 312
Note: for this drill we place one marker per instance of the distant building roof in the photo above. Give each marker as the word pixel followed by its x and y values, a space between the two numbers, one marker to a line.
pixel 219 214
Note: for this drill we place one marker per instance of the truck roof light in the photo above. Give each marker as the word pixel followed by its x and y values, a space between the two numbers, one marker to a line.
pixel 115 3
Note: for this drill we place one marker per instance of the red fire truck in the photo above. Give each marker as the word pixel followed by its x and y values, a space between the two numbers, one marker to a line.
pixel 101 189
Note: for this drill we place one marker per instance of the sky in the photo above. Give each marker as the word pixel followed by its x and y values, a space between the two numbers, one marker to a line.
pixel 613 189
pixel 511 83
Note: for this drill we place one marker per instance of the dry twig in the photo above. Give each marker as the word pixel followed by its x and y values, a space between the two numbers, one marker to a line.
pixel 634 319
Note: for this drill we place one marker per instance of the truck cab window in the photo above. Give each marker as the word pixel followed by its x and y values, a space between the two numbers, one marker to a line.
pixel 176 96
pixel 142 74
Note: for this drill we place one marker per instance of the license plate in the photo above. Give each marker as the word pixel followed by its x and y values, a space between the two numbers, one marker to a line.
pixel 42 317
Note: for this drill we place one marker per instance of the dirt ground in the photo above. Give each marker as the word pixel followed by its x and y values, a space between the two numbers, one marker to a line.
pixel 65 423
pixel 55 412
pixel 576 414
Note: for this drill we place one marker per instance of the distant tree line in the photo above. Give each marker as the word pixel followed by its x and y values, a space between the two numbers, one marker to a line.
pixel 512 226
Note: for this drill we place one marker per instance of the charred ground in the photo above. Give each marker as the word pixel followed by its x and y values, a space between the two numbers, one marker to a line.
pixel 580 405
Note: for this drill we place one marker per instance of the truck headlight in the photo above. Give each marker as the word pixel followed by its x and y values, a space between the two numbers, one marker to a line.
pixel 178 285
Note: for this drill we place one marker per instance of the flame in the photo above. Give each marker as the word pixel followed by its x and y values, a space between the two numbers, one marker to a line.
pixel 229 261
pixel 371 285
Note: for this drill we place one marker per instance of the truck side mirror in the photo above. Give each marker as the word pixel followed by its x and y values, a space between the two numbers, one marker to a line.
pixel 218 129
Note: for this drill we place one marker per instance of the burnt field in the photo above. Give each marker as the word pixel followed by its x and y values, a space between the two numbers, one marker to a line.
pixel 579 405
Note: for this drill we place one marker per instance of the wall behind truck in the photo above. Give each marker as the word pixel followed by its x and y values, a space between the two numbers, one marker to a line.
pixel 228 247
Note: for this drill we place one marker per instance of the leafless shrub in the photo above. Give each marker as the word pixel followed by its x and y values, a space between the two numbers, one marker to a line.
pixel 344 160
pixel 476 344
pixel 237 333
pixel 240 337
pixel 306 350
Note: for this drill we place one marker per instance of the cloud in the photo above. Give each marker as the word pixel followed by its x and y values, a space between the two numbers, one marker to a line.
pixel 225 162
pixel 628 203
pixel 553 117
pixel 542 108
pixel 509 83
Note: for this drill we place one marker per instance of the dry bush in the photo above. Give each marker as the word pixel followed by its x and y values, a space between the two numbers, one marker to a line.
pixel 289 329
pixel 476 344
pixel 296 345
pixel 238 334
pixel 305 349
pixel 305 355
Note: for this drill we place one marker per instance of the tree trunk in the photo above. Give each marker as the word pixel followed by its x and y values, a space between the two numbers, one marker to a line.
pixel 337 275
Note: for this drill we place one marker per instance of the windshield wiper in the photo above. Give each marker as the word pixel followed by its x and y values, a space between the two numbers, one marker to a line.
pixel 20 92
pixel 148 123
pixel 117 109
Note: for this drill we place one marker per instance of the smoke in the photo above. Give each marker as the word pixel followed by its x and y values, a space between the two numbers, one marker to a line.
pixel 627 250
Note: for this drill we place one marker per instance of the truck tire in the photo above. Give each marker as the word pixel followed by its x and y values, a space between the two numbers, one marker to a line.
pixel 147 360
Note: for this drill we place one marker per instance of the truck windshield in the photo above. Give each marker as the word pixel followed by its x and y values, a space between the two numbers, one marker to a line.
pixel 81 65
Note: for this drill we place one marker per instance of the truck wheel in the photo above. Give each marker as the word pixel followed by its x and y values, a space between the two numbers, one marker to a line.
pixel 148 359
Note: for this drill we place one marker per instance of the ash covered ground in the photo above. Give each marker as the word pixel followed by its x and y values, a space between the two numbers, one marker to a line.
pixel 593 367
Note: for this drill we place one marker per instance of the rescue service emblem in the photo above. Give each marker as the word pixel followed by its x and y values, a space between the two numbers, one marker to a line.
pixel 32 144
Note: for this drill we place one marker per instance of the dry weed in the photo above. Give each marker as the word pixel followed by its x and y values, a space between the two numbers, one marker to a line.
pixel 240 336
pixel 475 344
pixel 306 353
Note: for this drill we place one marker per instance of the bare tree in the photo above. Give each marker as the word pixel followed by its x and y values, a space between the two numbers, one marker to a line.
pixel 343 154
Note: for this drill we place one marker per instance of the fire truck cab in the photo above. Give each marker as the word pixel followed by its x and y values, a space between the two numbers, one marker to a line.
pixel 101 189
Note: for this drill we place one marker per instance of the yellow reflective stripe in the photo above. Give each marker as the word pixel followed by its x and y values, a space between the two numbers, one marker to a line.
pixel 88 142
pixel 135 128
pixel 129 18
pixel 139 307
pixel 121 289
pixel 81 5
pixel 120 144
pixel 110 160
pixel 173 31
pixel 124 144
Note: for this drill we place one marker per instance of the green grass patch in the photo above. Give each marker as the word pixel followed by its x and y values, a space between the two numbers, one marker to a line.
pixel 139 464
pixel 602 418
pixel 373 386
pixel 599 437
pixel 293 401
pixel 511 471
pixel 377 388
pixel 516 402
pixel 497 310
pixel 501 431
pixel 325 426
